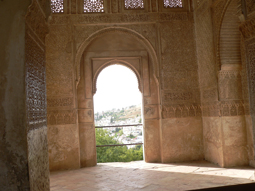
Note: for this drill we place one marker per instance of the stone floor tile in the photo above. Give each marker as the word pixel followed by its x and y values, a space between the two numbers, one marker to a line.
pixel 149 176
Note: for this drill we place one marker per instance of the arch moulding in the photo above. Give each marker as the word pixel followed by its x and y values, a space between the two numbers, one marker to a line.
pixel 147 45
pixel 120 62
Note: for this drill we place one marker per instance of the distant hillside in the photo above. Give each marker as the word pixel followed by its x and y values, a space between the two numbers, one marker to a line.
pixel 131 112
pixel 116 115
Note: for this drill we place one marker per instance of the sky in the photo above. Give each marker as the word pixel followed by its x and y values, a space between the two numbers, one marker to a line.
pixel 117 87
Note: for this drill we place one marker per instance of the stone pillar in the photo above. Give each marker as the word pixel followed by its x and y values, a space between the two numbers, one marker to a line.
pixel 233 127
pixel 24 163
pixel 86 117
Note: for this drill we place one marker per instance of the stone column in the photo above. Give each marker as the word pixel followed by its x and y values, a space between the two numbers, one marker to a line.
pixel 86 117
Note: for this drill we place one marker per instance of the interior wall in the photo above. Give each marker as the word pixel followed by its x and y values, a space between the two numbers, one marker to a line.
pixel 247 46
pixel 219 60
pixel 175 73
pixel 208 82
pixel 23 142
pixel 180 95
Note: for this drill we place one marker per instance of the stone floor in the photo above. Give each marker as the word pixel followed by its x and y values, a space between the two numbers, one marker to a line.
pixel 149 176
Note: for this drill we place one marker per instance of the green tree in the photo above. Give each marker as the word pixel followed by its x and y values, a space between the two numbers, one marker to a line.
pixel 117 153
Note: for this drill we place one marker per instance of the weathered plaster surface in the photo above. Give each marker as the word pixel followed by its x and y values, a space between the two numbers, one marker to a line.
pixel 234 141
pixel 64 147
pixel 151 141
pixel 23 150
pixel 182 139
pixel 38 159
pixel 213 140
pixel 13 147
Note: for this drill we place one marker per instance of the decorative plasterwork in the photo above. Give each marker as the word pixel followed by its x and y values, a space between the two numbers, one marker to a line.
pixel 172 3
pixel 219 10
pixel 59 19
pixel 62 117
pixel 133 33
pixel 211 109
pixel 248 29
pixel 93 6
pixel 134 4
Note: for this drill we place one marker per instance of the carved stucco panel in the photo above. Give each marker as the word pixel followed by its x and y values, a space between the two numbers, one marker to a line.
pixel 173 36
pixel 146 30
pixel 251 70
pixel 60 102
pixel 205 48
pixel 230 86
pixel 61 117
pixel 177 81
pixel 59 61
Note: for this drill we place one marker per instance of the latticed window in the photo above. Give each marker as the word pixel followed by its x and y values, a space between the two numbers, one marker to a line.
pixel 172 3
pixel 57 6
pixel 93 6
pixel 134 4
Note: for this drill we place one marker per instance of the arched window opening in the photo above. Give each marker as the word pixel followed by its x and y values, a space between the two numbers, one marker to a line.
pixel 134 4
pixel 172 3
pixel 57 6
pixel 118 117
pixel 93 6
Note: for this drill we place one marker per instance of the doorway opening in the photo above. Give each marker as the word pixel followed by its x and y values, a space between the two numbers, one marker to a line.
pixel 118 115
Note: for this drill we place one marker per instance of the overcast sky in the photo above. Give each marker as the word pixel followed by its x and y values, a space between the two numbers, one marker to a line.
pixel 117 87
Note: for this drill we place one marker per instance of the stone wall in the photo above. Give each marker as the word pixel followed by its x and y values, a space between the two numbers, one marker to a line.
pixel 208 81
pixel 173 71
pixel 219 61
pixel 248 38
pixel 200 82
pixel 24 152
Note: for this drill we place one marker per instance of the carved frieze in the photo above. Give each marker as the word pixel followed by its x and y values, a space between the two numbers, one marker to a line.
pixel 211 109
pixel 210 94
pixel 173 96
pixel 232 108
pixel 230 86
pixel 117 18
pixel 60 102
pixel 180 97
pixel 62 117
pixel 251 72
pixel 181 111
